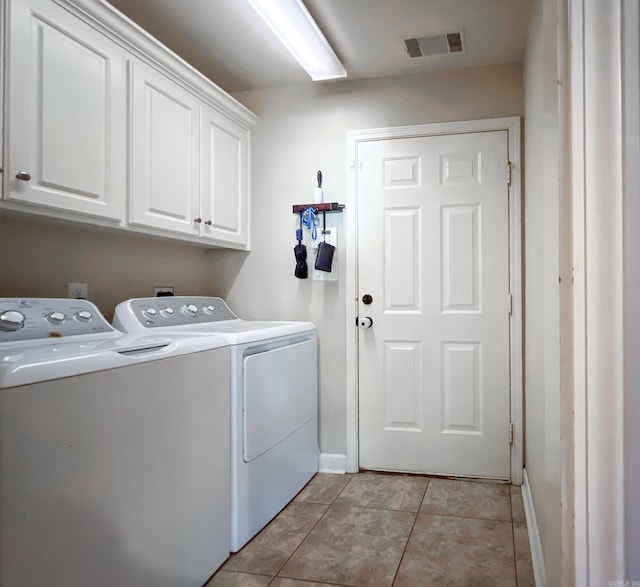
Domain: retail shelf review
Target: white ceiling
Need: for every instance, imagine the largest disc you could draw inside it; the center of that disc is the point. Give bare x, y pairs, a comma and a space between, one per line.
229, 43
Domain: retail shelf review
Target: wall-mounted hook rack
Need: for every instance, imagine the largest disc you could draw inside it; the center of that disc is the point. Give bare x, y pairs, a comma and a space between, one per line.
319, 207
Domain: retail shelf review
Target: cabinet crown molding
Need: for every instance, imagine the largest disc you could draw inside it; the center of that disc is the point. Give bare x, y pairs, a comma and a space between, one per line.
136, 40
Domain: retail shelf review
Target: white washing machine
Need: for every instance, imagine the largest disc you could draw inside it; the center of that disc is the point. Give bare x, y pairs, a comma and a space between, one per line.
113, 451
274, 399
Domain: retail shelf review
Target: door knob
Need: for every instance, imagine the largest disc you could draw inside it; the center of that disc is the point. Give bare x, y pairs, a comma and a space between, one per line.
23, 176
365, 322
367, 299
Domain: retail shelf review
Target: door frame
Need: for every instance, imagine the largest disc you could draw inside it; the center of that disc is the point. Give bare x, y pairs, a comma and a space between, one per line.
354, 138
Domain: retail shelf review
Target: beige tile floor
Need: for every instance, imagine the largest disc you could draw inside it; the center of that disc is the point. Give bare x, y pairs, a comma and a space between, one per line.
375, 530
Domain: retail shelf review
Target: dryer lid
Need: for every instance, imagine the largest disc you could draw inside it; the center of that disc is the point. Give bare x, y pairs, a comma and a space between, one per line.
199, 315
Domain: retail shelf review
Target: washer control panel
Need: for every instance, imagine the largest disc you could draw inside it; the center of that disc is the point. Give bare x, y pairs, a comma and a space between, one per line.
36, 318
171, 311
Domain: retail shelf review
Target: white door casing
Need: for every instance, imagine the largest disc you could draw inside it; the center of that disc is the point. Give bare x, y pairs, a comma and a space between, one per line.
446, 357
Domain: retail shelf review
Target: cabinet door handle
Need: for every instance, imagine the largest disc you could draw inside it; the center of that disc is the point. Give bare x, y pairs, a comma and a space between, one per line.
23, 176
208, 222
197, 220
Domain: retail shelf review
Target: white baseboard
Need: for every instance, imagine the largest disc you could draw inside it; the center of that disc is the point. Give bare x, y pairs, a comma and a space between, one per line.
333, 463
537, 557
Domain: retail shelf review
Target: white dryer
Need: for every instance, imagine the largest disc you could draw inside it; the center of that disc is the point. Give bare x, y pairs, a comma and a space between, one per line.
113, 451
274, 399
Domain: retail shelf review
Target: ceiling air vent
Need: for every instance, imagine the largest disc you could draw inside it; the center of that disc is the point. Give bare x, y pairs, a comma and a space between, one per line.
442, 44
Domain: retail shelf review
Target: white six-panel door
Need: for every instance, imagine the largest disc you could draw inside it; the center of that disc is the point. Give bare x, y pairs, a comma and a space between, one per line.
433, 253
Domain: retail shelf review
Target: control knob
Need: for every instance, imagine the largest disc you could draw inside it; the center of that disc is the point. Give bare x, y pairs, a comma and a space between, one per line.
11, 320
83, 316
55, 317
150, 312
190, 310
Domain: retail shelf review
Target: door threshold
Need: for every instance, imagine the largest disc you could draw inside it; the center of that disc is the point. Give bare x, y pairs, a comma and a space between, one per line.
436, 476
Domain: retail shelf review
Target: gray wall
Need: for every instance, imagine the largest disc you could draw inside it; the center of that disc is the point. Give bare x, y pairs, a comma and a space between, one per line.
301, 130
542, 288
38, 259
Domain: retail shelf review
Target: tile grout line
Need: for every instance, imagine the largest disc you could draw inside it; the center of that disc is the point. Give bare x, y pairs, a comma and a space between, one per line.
307, 535
515, 562
511, 503
379, 508
404, 550
513, 538
305, 581
284, 564
467, 517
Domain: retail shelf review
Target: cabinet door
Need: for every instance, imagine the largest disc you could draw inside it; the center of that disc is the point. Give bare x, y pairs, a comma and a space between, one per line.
164, 153
66, 113
224, 179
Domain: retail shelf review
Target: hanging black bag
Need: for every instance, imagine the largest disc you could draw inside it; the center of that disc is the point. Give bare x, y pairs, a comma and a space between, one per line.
324, 256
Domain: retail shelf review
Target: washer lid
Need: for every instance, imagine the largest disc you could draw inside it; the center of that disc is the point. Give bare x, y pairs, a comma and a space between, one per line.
23, 364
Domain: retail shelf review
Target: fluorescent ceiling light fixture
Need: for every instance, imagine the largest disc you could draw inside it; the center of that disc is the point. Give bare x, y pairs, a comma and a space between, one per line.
298, 32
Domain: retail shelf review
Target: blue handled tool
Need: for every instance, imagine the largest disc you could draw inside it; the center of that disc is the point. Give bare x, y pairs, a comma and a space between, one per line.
310, 220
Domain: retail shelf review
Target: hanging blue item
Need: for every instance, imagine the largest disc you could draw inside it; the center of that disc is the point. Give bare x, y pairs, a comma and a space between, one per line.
310, 220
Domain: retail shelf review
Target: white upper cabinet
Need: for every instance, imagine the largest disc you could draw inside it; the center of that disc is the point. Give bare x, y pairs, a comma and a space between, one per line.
165, 126
224, 178
66, 144
105, 125
189, 163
